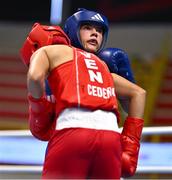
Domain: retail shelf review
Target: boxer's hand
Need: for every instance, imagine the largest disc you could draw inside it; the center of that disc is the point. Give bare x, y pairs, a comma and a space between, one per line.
118, 62
41, 117
130, 140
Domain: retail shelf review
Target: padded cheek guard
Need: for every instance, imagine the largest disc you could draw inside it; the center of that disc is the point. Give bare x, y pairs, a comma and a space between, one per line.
40, 36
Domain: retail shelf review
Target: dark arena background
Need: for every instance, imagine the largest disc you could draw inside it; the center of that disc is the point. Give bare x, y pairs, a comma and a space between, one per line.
142, 28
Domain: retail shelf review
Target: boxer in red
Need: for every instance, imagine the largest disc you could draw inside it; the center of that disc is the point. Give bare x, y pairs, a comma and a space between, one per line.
86, 142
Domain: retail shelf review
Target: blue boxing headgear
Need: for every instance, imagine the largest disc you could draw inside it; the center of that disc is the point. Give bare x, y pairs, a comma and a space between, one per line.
82, 16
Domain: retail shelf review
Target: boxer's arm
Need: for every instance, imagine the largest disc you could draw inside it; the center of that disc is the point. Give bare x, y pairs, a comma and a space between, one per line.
37, 73
133, 125
41, 111
136, 94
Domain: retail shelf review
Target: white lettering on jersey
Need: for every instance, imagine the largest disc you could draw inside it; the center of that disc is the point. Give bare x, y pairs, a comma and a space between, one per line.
95, 76
105, 93
91, 64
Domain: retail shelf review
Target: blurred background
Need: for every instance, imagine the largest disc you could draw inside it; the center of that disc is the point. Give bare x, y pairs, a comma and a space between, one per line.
142, 28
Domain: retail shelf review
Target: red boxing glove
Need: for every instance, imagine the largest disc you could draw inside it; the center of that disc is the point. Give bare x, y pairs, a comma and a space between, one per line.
130, 140
41, 117
40, 36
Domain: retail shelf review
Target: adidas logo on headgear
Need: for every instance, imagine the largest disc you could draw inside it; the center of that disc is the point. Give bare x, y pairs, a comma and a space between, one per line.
98, 17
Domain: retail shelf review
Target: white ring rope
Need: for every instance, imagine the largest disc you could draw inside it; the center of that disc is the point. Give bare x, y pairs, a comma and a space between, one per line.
146, 131
163, 130
38, 169
20, 169
157, 130
154, 169
15, 133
